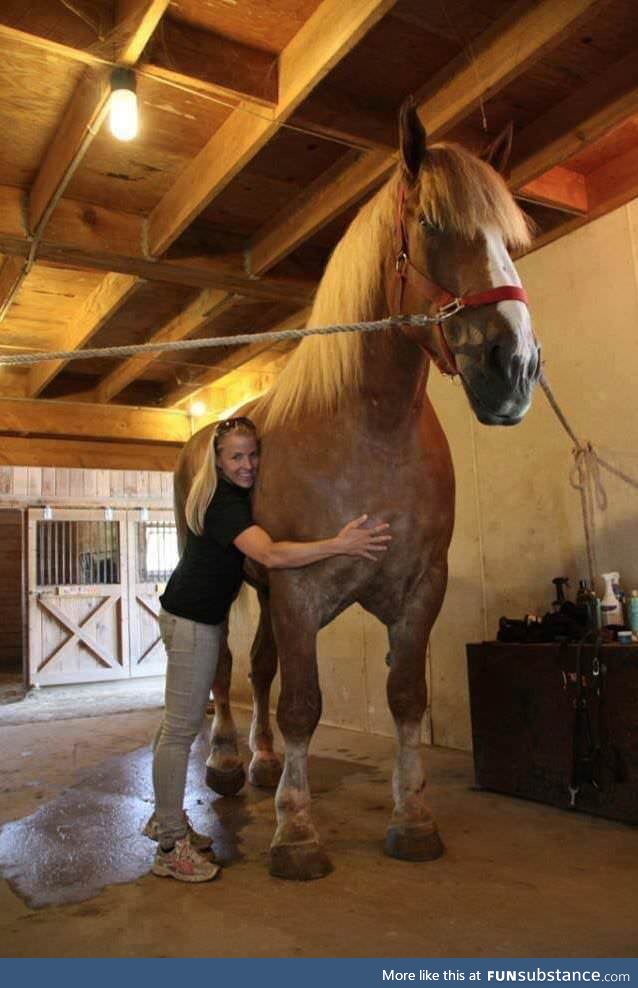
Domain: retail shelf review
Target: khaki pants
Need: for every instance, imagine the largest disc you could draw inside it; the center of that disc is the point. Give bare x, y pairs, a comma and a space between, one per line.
192, 650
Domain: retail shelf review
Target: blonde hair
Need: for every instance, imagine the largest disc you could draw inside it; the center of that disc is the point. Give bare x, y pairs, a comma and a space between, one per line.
204, 483
457, 191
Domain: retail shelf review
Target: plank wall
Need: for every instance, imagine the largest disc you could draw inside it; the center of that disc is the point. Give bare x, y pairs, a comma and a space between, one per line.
36, 486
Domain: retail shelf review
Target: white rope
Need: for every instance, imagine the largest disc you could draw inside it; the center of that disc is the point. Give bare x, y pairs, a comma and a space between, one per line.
585, 478
275, 336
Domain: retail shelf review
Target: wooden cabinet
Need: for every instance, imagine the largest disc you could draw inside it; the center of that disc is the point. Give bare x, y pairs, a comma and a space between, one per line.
546, 730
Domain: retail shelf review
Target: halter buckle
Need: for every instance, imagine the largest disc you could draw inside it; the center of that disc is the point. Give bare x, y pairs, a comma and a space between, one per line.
400, 263
450, 309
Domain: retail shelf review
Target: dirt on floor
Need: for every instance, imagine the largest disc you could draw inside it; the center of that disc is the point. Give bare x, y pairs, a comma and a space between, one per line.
518, 879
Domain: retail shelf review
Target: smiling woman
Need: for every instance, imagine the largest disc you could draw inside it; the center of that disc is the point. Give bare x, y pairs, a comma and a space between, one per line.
195, 606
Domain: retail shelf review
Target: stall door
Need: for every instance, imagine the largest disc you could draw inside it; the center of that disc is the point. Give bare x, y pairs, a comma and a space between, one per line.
77, 597
153, 556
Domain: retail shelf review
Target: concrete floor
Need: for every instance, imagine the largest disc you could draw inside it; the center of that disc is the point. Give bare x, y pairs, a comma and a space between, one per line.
518, 879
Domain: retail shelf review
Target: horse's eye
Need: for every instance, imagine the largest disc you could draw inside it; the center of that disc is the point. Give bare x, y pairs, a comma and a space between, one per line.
427, 224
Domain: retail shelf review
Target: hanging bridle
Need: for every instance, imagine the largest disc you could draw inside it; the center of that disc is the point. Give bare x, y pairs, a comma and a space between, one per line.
448, 304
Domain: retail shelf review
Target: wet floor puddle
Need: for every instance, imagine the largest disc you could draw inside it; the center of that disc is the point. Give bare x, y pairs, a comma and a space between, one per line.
89, 836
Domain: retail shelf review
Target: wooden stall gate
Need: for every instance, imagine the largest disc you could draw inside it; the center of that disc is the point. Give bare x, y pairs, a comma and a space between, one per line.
93, 589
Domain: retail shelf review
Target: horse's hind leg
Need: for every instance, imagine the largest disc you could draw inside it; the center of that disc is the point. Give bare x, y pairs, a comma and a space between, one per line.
265, 767
224, 770
412, 834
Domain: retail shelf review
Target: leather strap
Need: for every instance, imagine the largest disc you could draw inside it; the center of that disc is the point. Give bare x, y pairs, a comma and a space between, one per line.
407, 273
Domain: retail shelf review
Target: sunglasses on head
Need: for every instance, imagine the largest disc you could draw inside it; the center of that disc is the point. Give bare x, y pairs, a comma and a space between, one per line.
227, 424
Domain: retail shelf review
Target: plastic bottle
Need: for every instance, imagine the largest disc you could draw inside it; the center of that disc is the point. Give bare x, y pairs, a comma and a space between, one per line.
611, 607
632, 611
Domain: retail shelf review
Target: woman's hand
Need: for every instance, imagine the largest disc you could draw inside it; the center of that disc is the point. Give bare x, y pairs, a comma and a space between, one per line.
356, 540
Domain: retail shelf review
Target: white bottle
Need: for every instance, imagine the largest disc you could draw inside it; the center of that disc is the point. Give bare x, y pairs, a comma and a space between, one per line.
610, 606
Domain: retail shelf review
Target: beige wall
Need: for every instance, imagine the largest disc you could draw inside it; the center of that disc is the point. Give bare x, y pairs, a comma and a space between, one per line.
518, 518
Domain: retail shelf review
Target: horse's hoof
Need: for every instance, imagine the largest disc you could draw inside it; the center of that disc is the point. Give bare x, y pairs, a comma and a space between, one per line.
413, 843
225, 783
299, 862
264, 772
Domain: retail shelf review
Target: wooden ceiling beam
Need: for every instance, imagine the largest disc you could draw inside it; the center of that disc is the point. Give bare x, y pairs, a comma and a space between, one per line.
201, 61
330, 33
333, 192
503, 52
582, 118
210, 304
609, 186
84, 235
37, 417
211, 375
560, 188
81, 122
88, 454
99, 307
192, 57
506, 50
135, 22
10, 276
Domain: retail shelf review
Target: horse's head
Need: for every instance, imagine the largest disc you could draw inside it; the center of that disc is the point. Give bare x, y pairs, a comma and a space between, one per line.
456, 220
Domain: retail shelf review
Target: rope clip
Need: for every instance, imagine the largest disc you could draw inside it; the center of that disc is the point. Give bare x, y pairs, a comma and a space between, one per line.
450, 309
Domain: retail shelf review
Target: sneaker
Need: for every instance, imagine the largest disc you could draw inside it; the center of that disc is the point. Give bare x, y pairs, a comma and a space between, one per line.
199, 841
184, 863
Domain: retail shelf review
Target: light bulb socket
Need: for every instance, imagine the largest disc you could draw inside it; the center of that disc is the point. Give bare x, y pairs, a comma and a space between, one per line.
123, 79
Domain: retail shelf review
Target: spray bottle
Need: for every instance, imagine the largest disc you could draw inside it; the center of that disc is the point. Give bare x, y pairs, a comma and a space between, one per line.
611, 607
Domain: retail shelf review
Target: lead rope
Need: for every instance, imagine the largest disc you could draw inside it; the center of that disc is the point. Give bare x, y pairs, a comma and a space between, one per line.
585, 477
274, 336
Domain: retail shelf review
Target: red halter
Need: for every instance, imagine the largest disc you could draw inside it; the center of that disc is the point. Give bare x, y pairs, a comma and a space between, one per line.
448, 304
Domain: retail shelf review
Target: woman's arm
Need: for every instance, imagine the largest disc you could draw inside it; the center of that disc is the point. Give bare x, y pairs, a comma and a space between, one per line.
352, 540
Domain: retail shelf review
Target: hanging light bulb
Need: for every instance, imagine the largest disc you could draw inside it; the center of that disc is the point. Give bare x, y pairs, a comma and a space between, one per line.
123, 115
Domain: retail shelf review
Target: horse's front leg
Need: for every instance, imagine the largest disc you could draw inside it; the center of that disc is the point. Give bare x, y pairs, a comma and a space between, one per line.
296, 852
224, 770
412, 834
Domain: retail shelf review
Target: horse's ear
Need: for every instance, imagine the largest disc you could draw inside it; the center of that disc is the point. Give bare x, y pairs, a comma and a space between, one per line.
497, 153
412, 139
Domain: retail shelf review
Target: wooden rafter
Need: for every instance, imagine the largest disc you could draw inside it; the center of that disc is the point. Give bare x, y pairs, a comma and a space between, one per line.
521, 36
504, 51
36, 417
186, 392
560, 188
208, 62
135, 23
329, 34
88, 454
583, 117
10, 277
86, 235
111, 293
609, 186
206, 307
81, 122
330, 195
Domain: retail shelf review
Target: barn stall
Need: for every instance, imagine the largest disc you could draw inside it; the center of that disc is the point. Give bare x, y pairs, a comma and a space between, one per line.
262, 130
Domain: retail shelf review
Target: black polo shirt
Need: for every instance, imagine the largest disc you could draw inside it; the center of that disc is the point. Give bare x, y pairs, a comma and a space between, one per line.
210, 571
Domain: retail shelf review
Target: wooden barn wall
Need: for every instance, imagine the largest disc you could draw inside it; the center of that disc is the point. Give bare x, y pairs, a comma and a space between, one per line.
11, 624
37, 486
518, 517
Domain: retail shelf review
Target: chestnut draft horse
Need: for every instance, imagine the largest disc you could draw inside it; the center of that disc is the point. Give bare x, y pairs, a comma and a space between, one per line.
347, 428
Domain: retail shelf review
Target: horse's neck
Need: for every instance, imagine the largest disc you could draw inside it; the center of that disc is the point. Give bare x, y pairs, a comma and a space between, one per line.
394, 375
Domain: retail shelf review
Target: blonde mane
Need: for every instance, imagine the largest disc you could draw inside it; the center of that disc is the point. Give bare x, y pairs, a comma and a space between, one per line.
457, 192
